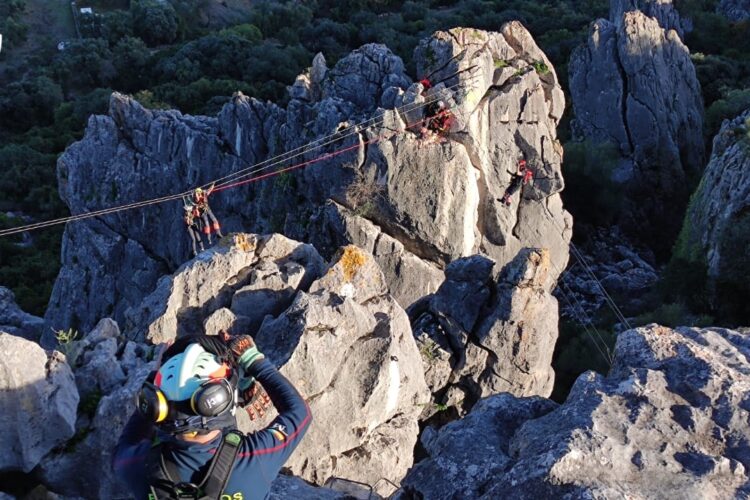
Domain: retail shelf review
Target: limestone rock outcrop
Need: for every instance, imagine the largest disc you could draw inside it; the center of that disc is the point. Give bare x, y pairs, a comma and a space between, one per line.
348, 347
38, 401
15, 321
416, 205
643, 76
109, 372
334, 331
663, 11
670, 420
480, 335
250, 276
716, 230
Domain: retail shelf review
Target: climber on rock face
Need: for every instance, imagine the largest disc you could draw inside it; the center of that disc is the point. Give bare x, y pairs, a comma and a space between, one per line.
183, 442
192, 222
523, 175
200, 198
438, 121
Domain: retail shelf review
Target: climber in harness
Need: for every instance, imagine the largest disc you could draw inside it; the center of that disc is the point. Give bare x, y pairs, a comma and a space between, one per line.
523, 176
438, 121
192, 222
200, 198
183, 442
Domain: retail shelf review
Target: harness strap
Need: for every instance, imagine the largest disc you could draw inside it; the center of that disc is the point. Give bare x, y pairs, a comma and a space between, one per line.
221, 466
165, 479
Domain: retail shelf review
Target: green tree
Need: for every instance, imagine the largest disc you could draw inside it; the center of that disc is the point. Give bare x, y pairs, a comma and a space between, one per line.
130, 57
85, 64
153, 21
29, 102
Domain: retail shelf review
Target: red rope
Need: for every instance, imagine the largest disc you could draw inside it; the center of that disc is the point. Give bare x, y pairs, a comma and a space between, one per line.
327, 156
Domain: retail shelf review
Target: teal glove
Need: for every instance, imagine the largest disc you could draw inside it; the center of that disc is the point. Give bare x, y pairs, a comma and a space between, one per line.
245, 351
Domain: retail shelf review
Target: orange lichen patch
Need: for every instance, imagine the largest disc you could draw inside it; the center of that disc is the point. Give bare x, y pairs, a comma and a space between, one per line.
351, 261
242, 242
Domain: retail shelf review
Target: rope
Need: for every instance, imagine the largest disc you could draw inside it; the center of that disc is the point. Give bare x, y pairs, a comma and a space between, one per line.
337, 137
579, 258
330, 139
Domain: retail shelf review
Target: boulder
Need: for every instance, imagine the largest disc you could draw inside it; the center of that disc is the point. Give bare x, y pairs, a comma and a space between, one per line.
347, 346
656, 129
671, 419
15, 321
416, 205
110, 371
285, 487
251, 275
481, 335
39, 401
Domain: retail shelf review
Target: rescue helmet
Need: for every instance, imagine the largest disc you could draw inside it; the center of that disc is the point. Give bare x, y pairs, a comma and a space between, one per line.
191, 390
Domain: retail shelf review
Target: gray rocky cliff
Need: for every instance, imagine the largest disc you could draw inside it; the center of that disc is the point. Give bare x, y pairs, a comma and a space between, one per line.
670, 420
716, 230
664, 11
479, 335
416, 206
38, 401
643, 76
15, 321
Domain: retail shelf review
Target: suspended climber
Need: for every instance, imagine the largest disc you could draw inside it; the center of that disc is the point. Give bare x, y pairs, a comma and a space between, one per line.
523, 176
200, 198
438, 122
183, 442
193, 224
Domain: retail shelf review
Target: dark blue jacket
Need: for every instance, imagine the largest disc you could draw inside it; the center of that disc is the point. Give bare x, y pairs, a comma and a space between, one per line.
260, 457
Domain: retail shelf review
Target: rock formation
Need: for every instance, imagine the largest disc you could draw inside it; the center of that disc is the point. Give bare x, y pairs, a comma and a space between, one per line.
334, 331
716, 231
657, 127
670, 419
479, 336
734, 10
15, 321
663, 11
109, 371
38, 400
416, 206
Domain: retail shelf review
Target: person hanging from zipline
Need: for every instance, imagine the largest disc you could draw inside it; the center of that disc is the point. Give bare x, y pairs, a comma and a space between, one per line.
438, 121
200, 198
193, 223
523, 175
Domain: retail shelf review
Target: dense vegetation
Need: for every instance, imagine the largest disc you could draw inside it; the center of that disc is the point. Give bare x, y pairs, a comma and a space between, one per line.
167, 56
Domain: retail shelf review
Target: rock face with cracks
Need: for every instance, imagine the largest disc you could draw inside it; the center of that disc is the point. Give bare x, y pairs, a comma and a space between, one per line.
15, 321
38, 403
480, 335
348, 347
337, 334
250, 276
110, 371
671, 419
717, 224
415, 204
643, 76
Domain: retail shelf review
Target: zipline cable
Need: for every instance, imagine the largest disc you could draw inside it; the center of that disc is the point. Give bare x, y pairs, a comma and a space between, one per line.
332, 138
111, 210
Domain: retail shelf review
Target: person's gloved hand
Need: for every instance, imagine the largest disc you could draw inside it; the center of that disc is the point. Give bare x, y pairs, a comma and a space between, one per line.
244, 351
255, 399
